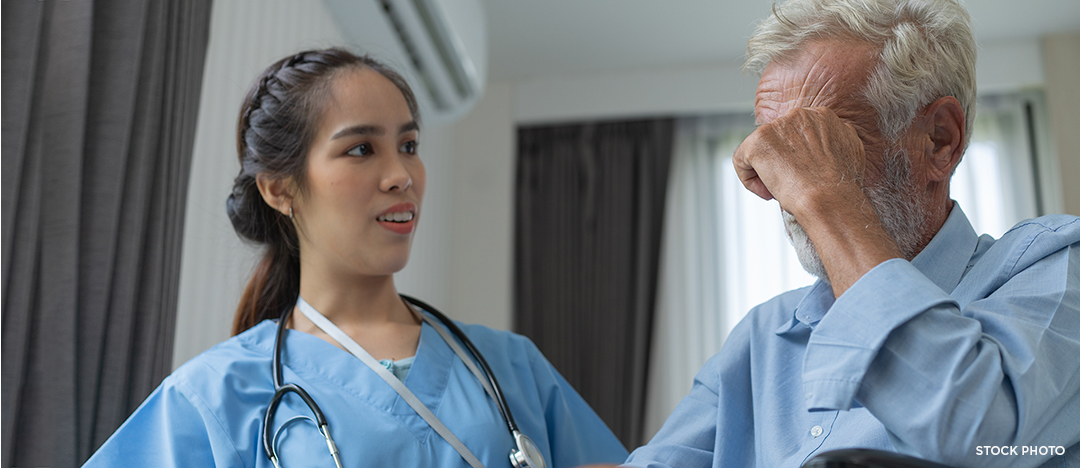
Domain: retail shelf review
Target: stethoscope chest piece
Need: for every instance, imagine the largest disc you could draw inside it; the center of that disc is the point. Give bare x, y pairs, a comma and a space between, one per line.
527, 454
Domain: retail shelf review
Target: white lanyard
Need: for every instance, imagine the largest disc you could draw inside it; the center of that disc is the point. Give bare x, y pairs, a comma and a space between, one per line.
355, 349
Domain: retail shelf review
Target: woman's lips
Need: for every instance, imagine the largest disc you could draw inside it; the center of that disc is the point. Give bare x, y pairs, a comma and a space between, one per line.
400, 218
399, 227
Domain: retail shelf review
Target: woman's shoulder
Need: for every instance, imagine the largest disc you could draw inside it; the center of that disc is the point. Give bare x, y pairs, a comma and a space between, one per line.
244, 357
510, 353
202, 410
497, 340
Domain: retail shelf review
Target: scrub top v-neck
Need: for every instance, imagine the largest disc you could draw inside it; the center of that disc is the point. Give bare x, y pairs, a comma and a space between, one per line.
432, 373
381, 370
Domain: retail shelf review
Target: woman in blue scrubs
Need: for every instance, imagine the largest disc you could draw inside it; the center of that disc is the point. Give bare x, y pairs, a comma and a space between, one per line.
332, 184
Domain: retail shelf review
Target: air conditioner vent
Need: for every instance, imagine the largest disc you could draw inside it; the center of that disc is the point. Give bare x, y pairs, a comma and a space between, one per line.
442, 43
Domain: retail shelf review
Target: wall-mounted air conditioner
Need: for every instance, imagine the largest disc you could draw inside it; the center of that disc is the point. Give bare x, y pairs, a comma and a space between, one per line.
439, 45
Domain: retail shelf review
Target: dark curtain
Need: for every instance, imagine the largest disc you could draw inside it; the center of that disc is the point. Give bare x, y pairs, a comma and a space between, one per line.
100, 100
589, 213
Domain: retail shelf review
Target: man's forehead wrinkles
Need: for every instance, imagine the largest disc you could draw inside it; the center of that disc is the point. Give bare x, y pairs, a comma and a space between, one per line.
822, 76
773, 103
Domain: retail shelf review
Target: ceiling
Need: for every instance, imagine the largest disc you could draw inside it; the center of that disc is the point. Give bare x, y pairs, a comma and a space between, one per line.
534, 39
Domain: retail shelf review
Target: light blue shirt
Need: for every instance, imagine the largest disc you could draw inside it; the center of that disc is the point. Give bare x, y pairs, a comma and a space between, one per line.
210, 411
974, 343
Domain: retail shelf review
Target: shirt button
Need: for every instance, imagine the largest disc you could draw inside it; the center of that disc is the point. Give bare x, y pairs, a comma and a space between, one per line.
816, 431
809, 396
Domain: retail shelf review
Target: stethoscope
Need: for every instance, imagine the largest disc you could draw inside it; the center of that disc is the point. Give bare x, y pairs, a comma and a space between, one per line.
525, 455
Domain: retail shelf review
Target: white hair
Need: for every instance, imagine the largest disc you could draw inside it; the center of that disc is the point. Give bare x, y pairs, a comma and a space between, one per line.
927, 50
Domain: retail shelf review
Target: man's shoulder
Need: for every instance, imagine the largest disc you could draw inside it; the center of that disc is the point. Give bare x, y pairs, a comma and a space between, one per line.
1036, 241
1067, 225
1033, 239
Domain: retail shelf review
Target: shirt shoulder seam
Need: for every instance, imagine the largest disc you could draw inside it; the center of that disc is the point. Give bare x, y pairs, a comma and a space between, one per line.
188, 392
1030, 240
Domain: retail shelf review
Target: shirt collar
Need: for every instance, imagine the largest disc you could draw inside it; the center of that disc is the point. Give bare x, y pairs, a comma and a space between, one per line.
811, 308
946, 257
944, 261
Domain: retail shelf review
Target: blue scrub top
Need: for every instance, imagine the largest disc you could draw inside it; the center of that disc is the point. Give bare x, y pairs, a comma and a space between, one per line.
210, 411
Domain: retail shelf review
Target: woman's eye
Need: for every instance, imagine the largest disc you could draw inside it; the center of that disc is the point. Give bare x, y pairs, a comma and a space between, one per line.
363, 149
409, 147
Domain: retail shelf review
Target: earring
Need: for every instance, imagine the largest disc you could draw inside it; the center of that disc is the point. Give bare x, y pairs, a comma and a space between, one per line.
290, 213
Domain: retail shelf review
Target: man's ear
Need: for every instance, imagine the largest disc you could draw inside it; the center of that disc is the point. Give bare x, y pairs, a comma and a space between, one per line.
276, 192
947, 130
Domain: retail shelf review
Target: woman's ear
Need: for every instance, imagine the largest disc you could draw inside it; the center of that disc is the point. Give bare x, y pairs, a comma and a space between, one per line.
947, 131
276, 192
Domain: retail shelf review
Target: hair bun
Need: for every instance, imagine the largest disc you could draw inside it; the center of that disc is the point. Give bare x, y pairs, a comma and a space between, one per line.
249, 214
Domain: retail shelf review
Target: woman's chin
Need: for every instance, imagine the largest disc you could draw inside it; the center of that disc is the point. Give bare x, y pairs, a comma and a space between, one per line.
371, 267
394, 265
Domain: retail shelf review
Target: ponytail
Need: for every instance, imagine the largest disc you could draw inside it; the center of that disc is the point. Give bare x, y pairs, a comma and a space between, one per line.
272, 289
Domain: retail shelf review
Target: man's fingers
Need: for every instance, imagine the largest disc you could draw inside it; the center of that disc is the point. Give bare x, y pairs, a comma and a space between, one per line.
753, 183
758, 188
745, 170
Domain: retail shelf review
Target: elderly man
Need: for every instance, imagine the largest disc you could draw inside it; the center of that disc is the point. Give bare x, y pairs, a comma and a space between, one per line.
920, 337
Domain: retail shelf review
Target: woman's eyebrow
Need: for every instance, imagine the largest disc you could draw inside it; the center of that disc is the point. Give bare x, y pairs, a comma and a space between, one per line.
366, 130
358, 130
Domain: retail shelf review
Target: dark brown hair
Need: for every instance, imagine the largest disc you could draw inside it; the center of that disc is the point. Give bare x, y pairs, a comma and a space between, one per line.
277, 123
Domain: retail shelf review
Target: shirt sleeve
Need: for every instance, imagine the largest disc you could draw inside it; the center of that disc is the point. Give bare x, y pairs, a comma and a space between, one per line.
168, 430
945, 379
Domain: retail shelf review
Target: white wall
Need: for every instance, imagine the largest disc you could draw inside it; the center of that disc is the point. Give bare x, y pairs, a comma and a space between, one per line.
1009, 65
716, 88
481, 281
1061, 54
708, 88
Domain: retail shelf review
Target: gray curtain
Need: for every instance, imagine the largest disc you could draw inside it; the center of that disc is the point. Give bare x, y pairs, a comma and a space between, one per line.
589, 213
100, 100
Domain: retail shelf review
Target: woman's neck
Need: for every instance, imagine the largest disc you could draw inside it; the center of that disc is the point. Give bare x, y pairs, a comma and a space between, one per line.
367, 309
362, 300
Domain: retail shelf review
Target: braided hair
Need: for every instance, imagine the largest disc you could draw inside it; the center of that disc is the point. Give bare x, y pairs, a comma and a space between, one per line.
276, 126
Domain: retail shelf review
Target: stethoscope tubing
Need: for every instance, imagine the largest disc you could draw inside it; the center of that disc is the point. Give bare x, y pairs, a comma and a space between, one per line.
500, 400
280, 390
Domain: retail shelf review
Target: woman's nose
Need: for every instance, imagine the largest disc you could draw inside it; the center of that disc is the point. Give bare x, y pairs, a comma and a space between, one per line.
395, 176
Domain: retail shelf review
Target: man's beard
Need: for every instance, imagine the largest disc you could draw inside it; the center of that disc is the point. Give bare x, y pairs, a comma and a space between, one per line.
897, 202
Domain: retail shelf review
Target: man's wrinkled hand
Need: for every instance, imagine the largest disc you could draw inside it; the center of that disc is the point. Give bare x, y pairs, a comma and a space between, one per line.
804, 157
